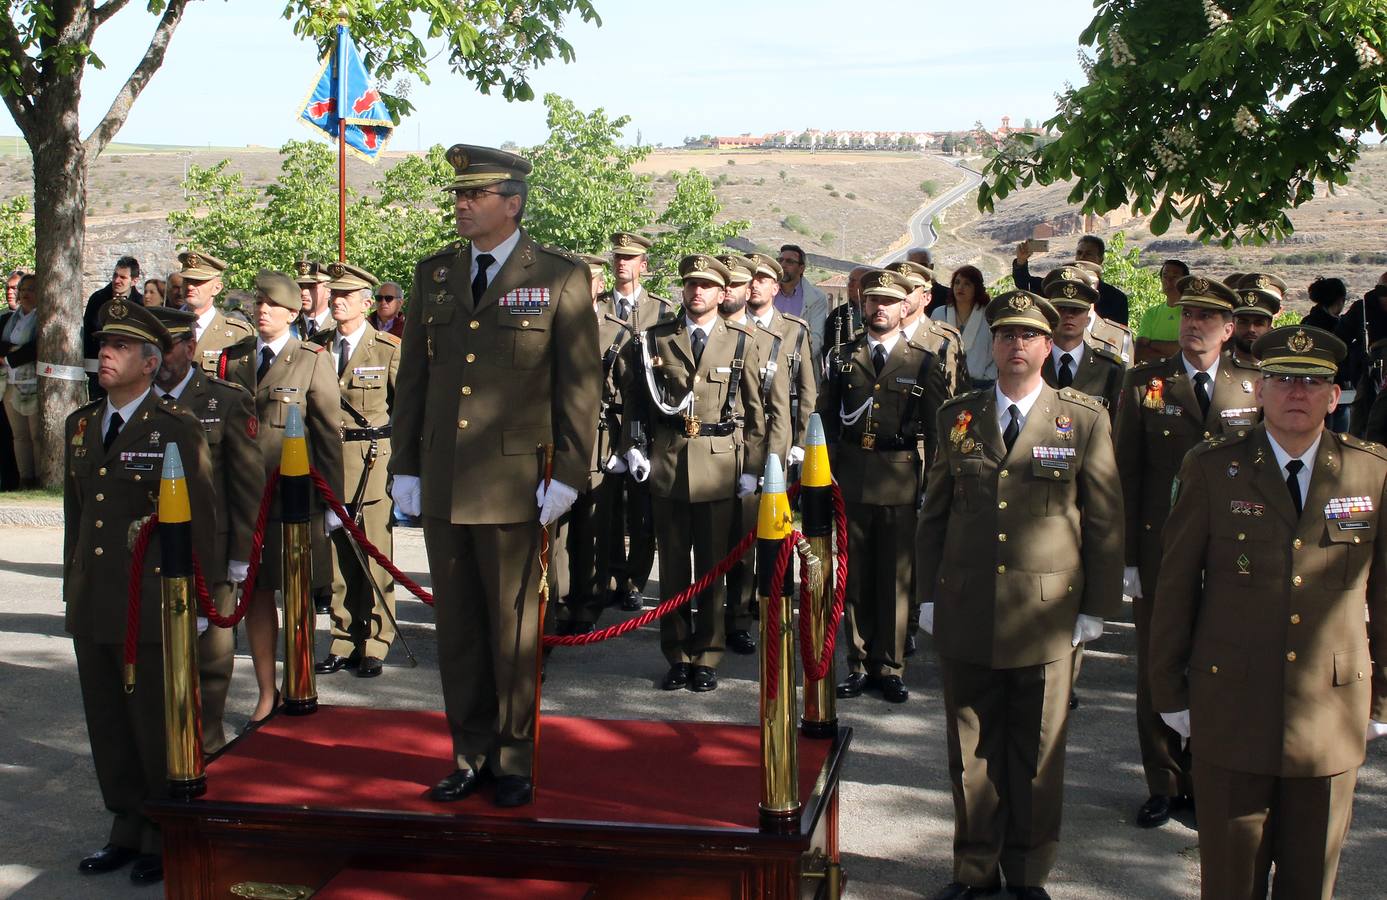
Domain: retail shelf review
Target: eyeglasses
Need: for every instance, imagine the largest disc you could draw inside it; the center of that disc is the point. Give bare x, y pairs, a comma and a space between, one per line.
389, 298
790, 261
472, 195
1305, 381
1024, 337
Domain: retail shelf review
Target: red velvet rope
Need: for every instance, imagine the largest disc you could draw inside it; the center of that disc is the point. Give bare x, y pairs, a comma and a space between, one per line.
816, 666
257, 545
132, 609
772, 615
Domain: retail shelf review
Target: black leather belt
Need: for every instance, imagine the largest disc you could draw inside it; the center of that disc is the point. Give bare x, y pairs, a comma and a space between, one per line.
879, 443
703, 429
366, 434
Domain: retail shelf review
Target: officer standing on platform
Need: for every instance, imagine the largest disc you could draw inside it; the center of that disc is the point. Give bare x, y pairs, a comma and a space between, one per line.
1166, 408
214, 331
366, 361
1259, 651
694, 379
281, 372
114, 457
1258, 304
500, 360
878, 408
229, 424
1077, 359
1020, 553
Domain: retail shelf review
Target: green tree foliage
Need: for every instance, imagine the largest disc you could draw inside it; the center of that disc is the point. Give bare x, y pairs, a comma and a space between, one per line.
16, 235
1223, 114
690, 225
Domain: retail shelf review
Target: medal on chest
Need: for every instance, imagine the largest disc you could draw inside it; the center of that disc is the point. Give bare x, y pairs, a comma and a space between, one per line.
1155, 394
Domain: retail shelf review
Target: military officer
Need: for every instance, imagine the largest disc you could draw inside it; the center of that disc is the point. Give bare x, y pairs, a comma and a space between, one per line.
367, 361
1020, 551
878, 410
112, 465
1259, 651
500, 359
1166, 408
1078, 359
315, 312
793, 358
1110, 332
775, 402
694, 379
229, 425
1259, 302
845, 319
214, 331
921, 280
282, 371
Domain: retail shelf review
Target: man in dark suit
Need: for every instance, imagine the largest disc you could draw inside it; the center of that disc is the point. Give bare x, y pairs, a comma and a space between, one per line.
1112, 301
121, 286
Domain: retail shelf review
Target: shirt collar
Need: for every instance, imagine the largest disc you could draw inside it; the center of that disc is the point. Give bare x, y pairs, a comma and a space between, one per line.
276, 346
127, 412
1190, 370
204, 321
182, 386
1077, 354
353, 340
764, 321
706, 329
889, 342
501, 252
1308, 457
1024, 403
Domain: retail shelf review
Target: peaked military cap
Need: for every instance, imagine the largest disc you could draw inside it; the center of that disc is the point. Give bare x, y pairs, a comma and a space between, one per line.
1022, 308
1205, 293
277, 288
886, 285
766, 265
1069, 286
919, 276
740, 270
308, 272
347, 277
179, 322
627, 243
1233, 279
702, 267
478, 167
593, 260
121, 319
1092, 269
200, 266
1299, 350
1265, 283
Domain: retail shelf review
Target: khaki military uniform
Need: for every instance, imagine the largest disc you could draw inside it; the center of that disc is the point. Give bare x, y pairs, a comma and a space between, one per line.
222, 332
367, 384
1258, 631
229, 425
1015, 546
1158, 421
880, 430
1114, 336
106, 495
482, 386
696, 457
1099, 374
301, 375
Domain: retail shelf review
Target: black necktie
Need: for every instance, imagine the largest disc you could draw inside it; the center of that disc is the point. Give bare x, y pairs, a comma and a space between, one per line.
484, 261
698, 340
309, 326
112, 430
1066, 372
1293, 484
1201, 392
623, 308
879, 357
1013, 427
267, 356
344, 352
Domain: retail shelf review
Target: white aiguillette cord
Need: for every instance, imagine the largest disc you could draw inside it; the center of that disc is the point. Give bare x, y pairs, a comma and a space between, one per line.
686, 403
850, 418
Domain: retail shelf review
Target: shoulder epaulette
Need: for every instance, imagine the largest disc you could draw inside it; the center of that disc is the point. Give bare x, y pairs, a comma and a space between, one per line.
387, 338
663, 301
663, 326
1242, 364
321, 337
1215, 441
239, 323
450, 250
309, 345
966, 397
940, 327
1104, 349
89, 406
1357, 443
1080, 398
222, 382
741, 326
245, 344
803, 323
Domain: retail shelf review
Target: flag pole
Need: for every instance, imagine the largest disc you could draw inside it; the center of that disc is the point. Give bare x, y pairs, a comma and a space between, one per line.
341, 136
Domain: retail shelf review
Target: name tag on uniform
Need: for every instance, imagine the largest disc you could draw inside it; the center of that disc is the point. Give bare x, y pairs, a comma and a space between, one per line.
723, 370
140, 461
1345, 507
900, 379
211, 354
208, 423
1242, 416
286, 390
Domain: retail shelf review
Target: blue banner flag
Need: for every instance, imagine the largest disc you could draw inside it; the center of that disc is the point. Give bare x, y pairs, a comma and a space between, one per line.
344, 98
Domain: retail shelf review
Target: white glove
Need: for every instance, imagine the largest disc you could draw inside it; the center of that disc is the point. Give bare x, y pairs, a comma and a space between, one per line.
1131, 581
927, 618
1086, 628
330, 522
237, 570
1178, 722
615, 465
795, 456
1376, 729
555, 501
746, 485
405, 492
202, 624
638, 465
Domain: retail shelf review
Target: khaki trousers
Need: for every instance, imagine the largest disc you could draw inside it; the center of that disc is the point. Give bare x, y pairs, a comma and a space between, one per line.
358, 622
881, 555
705, 529
1248, 822
486, 605
216, 656
1006, 735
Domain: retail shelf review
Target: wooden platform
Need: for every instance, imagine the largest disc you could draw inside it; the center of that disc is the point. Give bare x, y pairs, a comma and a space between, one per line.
637, 809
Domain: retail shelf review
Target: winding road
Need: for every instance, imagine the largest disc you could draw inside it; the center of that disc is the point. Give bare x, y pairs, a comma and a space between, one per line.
921, 226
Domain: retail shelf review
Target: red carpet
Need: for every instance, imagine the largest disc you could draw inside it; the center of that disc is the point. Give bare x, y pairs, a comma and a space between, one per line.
687, 774
368, 884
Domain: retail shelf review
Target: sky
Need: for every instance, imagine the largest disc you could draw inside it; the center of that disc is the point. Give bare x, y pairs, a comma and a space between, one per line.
236, 75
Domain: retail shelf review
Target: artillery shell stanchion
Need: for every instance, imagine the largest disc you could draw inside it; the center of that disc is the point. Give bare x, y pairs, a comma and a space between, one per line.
816, 506
780, 805
182, 702
295, 489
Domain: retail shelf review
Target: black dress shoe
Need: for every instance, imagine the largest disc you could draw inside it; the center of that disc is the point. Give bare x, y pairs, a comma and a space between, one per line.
514, 790
704, 679
460, 785
893, 690
1073, 700
107, 859
910, 645
1155, 812
580, 628
633, 601
957, 890
148, 869
1028, 893
677, 677
334, 663
741, 642
369, 667
854, 684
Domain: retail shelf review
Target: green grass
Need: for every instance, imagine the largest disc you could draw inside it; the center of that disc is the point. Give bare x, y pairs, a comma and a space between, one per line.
44, 496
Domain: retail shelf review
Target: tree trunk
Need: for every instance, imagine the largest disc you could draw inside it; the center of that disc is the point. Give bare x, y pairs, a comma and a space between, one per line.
60, 212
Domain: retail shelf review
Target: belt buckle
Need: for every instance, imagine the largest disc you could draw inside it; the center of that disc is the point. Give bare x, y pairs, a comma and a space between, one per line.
869, 441
692, 424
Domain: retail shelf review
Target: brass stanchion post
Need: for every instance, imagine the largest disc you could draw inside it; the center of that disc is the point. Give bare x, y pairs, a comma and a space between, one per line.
816, 506
295, 487
182, 702
780, 805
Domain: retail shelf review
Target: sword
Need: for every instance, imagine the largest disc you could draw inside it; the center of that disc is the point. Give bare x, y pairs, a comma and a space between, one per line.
357, 511
547, 450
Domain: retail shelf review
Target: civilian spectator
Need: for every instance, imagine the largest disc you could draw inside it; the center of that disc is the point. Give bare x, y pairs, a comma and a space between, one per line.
1158, 332
19, 341
964, 311
799, 298
12, 288
1328, 296
1112, 302
173, 290
122, 285
1363, 328
390, 300
154, 292
939, 292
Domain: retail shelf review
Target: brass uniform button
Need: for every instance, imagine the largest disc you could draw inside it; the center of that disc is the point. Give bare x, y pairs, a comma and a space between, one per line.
1166, 433
1057, 474
99, 551
100, 497
471, 357
466, 390
156, 570
1005, 473
1002, 505
876, 387
474, 324
1213, 670
1147, 526
1241, 536
99, 523
1001, 570
1001, 538
1297, 543
462, 423
101, 471
524, 323
1290, 657
876, 406
1206, 435
1297, 581
1295, 618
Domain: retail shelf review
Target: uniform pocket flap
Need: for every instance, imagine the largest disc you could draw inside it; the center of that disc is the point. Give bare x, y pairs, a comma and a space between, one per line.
522, 318
1351, 530
1059, 585
519, 441
1350, 666
1053, 469
1219, 661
